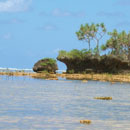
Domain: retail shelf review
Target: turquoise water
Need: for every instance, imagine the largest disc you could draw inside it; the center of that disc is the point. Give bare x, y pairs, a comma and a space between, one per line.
34, 104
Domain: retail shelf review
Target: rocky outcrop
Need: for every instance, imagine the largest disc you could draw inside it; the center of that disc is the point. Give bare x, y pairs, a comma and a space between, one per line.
85, 122
102, 64
103, 98
46, 65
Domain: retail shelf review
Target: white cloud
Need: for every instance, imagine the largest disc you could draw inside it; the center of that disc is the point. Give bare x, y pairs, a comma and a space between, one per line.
60, 13
12, 21
7, 36
16, 21
49, 27
14, 5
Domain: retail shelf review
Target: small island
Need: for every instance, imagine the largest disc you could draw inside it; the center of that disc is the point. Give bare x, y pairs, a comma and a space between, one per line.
117, 47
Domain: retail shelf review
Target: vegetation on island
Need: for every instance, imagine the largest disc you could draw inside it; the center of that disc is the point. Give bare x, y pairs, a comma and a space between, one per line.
117, 49
118, 44
49, 61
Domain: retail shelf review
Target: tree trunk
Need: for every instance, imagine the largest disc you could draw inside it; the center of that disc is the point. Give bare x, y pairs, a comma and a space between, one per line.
89, 45
129, 54
97, 47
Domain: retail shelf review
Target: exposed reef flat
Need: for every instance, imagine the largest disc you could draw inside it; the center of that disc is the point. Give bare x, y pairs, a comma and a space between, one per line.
33, 75
100, 77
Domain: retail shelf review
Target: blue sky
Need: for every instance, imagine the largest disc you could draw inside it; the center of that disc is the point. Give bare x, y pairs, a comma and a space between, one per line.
33, 29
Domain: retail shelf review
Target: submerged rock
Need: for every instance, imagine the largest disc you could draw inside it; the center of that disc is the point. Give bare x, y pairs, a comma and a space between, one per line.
46, 65
84, 81
103, 98
85, 122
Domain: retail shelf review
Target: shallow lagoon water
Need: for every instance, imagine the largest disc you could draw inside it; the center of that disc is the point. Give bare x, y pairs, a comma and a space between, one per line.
37, 104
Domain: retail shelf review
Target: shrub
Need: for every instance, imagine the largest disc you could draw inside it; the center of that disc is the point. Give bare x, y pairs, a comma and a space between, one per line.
74, 54
71, 71
49, 61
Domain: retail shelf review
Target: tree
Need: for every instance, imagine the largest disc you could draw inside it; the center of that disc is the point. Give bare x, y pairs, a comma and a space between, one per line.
92, 32
119, 44
97, 33
113, 43
128, 45
85, 34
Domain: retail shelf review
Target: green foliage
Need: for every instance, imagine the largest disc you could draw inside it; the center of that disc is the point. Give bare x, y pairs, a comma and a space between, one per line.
91, 32
118, 44
62, 53
74, 54
95, 50
71, 71
103, 47
48, 61
43, 64
45, 72
85, 34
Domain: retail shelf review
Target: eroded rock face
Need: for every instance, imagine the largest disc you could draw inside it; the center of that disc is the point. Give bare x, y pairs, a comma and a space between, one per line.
103, 64
46, 65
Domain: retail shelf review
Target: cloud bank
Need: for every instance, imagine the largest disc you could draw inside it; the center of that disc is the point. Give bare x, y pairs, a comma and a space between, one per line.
14, 5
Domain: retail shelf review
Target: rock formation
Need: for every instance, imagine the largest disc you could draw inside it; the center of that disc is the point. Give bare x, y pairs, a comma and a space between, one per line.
46, 65
101, 64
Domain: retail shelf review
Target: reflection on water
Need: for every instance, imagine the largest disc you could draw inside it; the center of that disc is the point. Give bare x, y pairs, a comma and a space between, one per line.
34, 104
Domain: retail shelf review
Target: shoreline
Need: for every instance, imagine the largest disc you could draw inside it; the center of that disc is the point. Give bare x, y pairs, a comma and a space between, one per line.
98, 77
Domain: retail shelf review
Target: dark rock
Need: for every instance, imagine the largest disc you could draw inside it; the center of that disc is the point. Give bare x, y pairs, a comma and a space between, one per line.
46, 65
103, 98
102, 64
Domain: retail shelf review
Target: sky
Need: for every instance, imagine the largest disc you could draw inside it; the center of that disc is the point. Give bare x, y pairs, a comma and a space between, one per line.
34, 29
